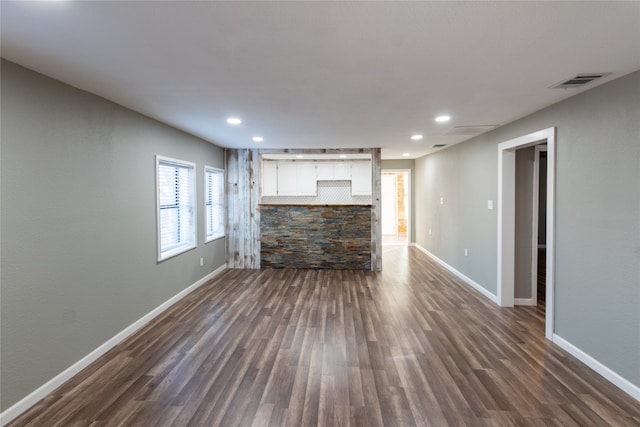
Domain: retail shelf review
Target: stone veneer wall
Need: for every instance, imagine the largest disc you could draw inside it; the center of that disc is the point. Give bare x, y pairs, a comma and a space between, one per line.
316, 236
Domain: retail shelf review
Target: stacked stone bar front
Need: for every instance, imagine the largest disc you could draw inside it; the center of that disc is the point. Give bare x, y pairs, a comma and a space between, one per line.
334, 237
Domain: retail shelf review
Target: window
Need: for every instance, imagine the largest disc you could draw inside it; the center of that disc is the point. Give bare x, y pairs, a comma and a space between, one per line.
176, 206
214, 203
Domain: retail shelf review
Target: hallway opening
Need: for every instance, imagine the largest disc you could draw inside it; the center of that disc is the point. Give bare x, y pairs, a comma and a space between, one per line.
395, 190
507, 223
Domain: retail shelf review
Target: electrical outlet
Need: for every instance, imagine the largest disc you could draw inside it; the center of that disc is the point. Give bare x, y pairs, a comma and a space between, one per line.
201, 262
442, 200
466, 252
489, 204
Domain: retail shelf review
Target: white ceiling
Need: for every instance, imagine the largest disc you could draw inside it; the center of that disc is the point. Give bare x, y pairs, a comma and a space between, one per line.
325, 74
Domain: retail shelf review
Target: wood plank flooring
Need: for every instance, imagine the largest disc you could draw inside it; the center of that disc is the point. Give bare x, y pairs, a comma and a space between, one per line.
410, 346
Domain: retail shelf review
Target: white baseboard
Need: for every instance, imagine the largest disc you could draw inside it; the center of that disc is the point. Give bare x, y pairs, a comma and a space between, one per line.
523, 301
620, 382
34, 397
466, 279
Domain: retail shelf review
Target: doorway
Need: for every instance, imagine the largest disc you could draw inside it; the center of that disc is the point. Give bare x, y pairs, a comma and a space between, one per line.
395, 202
507, 220
530, 225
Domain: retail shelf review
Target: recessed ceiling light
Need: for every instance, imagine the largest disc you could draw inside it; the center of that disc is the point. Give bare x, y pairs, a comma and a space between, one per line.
300, 156
406, 154
442, 119
416, 137
257, 139
343, 156
234, 121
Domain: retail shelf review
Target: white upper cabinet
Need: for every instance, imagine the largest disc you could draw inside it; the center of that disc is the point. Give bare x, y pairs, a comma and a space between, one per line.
294, 179
342, 171
324, 171
333, 171
287, 179
306, 179
361, 179
269, 179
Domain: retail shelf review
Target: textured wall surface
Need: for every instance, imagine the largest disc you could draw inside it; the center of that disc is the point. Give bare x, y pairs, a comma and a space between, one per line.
332, 237
597, 258
523, 221
79, 225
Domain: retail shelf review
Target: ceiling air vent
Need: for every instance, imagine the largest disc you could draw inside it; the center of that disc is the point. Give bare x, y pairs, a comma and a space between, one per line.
438, 145
579, 80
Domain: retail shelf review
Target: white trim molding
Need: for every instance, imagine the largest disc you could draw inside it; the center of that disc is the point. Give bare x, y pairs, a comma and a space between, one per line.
34, 397
506, 220
617, 380
614, 378
460, 275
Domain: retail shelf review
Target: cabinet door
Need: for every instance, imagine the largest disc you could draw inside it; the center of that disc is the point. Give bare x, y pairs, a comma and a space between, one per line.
324, 171
287, 179
361, 179
306, 179
269, 179
341, 171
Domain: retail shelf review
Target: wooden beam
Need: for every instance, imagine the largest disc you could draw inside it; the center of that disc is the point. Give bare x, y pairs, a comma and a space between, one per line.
253, 162
315, 151
232, 201
376, 211
243, 216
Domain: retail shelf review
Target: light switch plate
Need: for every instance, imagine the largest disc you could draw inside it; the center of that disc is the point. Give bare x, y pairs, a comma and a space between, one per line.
489, 204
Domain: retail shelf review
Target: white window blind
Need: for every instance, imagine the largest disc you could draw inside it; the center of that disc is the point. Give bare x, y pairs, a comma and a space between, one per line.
176, 207
214, 203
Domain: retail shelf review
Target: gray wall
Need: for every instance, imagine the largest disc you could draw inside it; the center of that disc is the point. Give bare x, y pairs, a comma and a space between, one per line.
79, 225
406, 164
597, 216
465, 177
524, 220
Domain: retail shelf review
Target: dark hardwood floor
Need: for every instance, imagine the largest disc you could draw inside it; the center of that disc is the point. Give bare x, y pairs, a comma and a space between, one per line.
409, 346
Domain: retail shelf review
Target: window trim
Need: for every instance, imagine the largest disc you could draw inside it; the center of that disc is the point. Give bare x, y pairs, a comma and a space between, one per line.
213, 237
185, 247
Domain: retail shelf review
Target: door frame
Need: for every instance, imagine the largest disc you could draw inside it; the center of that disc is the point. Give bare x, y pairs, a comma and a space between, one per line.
506, 219
407, 190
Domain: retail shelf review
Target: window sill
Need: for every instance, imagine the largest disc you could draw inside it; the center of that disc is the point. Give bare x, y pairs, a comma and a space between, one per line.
216, 237
174, 252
